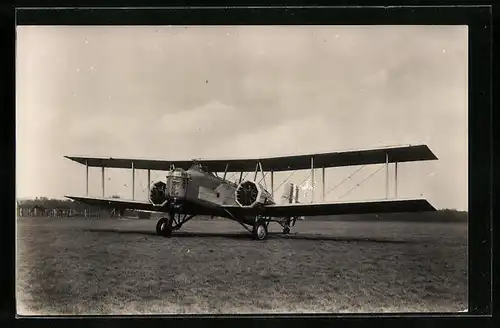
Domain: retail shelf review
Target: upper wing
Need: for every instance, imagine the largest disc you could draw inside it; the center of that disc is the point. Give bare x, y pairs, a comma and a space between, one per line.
283, 163
339, 208
116, 203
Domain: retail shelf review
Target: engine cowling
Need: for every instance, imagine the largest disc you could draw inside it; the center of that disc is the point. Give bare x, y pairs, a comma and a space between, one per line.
158, 193
249, 194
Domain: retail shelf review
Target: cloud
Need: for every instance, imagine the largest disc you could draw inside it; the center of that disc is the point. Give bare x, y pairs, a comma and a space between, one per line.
175, 92
209, 117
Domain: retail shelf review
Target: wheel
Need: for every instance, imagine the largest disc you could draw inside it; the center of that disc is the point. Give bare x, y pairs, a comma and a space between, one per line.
164, 227
260, 231
286, 230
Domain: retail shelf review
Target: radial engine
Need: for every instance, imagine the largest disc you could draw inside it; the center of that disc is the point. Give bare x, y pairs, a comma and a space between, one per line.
249, 194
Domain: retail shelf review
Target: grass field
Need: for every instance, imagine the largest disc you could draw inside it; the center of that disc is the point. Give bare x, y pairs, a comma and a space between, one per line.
78, 266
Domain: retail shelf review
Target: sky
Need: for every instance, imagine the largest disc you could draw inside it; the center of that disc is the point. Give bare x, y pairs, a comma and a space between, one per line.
183, 92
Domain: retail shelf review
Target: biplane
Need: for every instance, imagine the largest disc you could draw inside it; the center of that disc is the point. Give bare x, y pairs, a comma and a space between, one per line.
201, 187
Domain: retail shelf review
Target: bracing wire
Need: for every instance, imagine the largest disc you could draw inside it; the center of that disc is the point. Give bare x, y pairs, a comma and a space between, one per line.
144, 187
344, 180
265, 174
231, 177
304, 180
361, 182
301, 183
289, 176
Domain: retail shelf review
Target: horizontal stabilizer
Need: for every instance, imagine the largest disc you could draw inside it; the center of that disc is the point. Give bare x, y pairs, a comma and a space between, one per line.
339, 208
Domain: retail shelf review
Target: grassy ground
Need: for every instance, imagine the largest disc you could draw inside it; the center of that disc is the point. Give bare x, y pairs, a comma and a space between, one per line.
78, 266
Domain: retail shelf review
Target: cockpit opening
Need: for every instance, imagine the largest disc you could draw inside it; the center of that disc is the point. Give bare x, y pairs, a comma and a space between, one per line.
201, 168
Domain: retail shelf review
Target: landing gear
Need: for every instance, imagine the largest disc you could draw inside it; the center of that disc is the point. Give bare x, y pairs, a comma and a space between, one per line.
259, 231
286, 224
259, 225
164, 227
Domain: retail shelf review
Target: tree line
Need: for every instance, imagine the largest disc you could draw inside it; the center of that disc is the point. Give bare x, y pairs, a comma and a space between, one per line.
444, 215
77, 208
50, 203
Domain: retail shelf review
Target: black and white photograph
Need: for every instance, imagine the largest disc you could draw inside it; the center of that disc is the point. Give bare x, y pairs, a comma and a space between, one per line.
241, 169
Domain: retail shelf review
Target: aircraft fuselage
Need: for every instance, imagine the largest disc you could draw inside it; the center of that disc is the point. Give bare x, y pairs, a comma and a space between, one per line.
193, 191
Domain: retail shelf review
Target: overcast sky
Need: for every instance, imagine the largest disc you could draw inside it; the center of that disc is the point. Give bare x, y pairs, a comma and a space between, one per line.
208, 92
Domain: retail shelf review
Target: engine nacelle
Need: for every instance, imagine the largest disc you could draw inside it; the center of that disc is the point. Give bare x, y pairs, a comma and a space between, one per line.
249, 194
158, 194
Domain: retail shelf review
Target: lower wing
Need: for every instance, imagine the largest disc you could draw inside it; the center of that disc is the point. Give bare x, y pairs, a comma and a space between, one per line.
286, 210
117, 203
338, 208
188, 207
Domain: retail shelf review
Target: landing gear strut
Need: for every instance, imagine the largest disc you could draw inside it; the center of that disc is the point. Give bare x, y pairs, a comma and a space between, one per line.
286, 224
165, 226
259, 226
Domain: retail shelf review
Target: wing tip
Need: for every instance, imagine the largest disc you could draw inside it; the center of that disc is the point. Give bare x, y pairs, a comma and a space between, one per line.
432, 155
74, 159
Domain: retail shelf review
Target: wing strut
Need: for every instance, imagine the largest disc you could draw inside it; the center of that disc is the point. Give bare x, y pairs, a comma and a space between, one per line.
263, 175
263, 179
312, 179
86, 178
133, 181
149, 182
272, 184
396, 179
102, 178
323, 184
386, 175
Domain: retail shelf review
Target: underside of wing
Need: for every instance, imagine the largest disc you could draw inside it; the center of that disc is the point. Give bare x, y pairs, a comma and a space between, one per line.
283, 163
339, 208
128, 163
116, 203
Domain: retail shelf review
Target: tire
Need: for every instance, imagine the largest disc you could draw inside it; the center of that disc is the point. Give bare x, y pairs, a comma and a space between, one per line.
164, 227
260, 231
